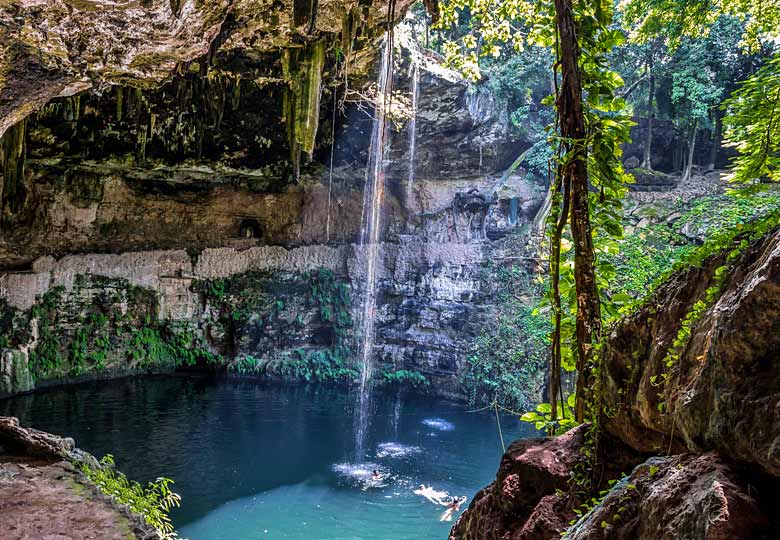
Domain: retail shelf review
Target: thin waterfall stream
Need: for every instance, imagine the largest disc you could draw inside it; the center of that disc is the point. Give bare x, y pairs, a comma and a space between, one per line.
371, 223
413, 124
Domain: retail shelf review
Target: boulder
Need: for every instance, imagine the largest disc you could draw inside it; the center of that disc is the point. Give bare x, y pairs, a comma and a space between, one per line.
522, 500
718, 412
17, 440
691, 497
724, 391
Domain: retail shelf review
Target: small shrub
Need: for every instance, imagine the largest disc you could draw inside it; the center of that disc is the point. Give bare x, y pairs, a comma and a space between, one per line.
153, 502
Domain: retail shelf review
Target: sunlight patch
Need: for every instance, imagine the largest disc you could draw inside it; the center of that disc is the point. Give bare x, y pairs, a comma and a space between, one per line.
439, 423
396, 450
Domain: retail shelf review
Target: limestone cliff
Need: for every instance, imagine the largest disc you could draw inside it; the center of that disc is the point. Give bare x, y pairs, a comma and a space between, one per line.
163, 208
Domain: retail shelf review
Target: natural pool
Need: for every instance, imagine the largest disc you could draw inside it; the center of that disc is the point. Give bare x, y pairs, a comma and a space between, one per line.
255, 461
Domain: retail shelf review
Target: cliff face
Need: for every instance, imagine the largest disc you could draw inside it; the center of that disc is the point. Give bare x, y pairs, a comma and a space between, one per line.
195, 201
710, 411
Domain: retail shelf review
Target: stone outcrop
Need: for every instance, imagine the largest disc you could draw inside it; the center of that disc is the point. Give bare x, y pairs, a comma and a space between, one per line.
711, 411
686, 496
522, 501
723, 390
44, 495
60, 48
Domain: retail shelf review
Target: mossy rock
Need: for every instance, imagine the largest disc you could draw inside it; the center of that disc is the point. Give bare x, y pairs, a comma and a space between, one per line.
647, 180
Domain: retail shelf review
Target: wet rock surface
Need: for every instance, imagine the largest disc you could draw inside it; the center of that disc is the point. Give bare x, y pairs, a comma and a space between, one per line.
522, 502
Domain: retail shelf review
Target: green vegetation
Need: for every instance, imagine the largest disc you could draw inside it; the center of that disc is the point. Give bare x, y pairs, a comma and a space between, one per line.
254, 307
314, 365
76, 338
650, 251
507, 360
403, 377
707, 66
153, 502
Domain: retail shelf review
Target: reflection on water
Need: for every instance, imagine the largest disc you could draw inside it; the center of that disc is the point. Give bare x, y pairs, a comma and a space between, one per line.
249, 458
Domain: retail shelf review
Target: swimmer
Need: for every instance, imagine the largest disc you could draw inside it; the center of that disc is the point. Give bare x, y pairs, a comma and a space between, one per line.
376, 479
436, 497
453, 507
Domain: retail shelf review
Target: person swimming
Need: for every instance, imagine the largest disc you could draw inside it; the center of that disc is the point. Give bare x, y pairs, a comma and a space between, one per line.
434, 496
375, 475
452, 507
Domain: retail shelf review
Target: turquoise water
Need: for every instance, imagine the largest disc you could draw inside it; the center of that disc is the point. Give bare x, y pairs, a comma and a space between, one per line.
254, 461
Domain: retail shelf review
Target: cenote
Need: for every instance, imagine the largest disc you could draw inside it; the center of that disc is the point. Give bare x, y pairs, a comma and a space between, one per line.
253, 460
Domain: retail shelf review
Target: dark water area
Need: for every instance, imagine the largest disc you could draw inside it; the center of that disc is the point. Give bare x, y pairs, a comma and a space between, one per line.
252, 460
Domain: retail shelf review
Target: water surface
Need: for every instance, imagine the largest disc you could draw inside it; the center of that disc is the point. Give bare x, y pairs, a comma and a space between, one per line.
255, 461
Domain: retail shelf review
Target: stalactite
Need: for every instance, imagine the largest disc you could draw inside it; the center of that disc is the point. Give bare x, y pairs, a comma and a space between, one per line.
76, 104
236, 97
119, 102
302, 70
350, 24
14, 151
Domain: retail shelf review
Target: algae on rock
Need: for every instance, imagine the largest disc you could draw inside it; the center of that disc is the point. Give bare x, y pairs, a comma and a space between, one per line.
13, 149
302, 69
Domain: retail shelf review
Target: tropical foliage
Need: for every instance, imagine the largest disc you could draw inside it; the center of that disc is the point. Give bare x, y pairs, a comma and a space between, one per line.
708, 66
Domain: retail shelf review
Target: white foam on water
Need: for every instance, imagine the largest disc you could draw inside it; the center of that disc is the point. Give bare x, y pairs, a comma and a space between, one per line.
439, 423
396, 450
356, 471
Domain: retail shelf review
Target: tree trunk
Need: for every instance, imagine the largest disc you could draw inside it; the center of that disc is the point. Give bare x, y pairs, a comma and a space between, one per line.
572, 126
716, 137
691, 148
647, 162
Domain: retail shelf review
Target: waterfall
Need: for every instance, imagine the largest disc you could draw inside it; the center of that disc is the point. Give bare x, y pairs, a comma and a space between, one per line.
371, 223
413, 123
330, 170
397, 413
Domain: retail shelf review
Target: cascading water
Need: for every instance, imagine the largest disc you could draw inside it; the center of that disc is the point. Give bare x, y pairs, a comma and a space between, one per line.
413, 123
372, 213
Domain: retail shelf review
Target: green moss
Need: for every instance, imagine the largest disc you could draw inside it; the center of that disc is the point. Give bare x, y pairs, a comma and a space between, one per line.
114, 328
85, 189
302, 69
14, 151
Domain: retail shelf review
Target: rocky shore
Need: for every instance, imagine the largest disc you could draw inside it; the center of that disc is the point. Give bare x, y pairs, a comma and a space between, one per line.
44, 495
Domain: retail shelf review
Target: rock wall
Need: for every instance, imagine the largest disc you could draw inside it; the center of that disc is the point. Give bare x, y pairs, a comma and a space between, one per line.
223, 258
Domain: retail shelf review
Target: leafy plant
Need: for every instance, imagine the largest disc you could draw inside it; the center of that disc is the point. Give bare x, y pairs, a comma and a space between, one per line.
404, 377
542, 418
153, 502
506, 362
